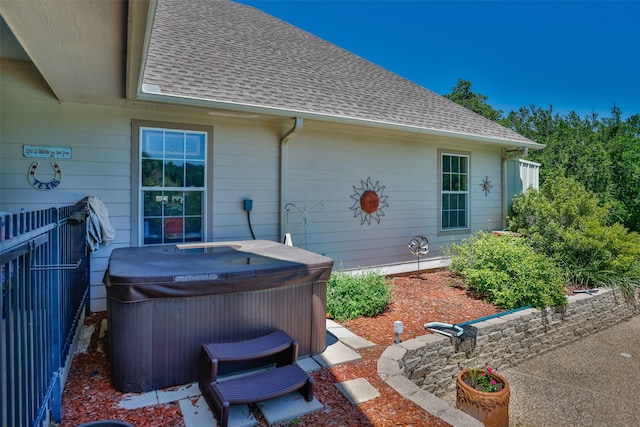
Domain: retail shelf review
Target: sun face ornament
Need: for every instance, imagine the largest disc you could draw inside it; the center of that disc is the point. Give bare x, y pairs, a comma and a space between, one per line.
369, 200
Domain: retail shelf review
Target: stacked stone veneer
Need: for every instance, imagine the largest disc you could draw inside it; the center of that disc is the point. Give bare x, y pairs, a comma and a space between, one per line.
431, 362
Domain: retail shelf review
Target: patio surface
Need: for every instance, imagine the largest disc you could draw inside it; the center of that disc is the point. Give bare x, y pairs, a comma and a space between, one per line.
592, 382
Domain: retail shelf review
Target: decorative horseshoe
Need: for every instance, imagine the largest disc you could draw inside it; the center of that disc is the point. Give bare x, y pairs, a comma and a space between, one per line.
36, 183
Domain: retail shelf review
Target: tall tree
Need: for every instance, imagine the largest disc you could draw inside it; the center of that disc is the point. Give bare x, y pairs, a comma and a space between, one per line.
622, 141
601, 154
476, 102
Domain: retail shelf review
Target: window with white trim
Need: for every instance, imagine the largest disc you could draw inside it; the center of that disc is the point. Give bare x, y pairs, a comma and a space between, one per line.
454, 191
172, 180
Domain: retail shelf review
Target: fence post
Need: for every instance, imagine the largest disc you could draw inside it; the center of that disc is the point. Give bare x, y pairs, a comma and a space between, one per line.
54, 320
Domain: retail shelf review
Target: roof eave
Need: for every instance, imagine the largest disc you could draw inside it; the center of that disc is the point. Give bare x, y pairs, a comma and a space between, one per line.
150, 95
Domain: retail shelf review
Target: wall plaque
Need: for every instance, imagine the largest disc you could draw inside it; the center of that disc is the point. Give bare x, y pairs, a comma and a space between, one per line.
40, 151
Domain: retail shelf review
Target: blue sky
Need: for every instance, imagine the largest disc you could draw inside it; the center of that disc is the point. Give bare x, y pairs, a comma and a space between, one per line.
580, 56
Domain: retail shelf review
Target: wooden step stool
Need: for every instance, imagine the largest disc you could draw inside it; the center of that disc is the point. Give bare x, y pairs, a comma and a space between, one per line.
275, 348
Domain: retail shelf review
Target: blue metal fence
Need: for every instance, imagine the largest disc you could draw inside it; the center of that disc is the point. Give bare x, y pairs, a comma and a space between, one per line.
45, 283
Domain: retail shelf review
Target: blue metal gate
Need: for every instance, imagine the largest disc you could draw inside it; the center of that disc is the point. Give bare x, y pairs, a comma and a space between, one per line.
45, 283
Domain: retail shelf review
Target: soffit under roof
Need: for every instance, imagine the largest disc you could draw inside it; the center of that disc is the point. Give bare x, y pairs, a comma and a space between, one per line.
78, 46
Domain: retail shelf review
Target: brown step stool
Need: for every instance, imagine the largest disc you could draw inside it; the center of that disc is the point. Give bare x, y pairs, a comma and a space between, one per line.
275, 348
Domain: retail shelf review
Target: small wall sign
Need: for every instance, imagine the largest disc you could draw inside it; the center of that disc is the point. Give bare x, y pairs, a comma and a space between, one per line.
46, 152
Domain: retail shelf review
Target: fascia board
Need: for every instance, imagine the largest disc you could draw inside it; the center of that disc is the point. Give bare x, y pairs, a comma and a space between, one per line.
149, 95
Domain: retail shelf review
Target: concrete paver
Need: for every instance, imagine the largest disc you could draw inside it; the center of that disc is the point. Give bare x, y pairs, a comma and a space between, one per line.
337, 354
288, 407
358, 390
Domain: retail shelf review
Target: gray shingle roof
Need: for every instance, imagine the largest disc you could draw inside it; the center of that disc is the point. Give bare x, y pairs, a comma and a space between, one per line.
226, 52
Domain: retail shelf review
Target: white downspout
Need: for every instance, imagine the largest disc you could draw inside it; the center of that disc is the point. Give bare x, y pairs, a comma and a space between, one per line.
284, 171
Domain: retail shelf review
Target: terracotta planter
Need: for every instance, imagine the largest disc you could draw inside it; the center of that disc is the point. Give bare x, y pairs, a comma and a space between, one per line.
492, 409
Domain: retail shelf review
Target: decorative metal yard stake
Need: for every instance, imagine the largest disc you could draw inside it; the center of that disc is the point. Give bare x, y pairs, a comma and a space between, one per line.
419, 246
304, 213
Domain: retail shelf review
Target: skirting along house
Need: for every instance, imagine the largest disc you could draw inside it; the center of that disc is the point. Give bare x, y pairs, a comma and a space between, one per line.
213, 121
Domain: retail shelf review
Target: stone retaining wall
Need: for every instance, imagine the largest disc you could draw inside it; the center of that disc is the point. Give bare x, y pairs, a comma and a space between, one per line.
431, 362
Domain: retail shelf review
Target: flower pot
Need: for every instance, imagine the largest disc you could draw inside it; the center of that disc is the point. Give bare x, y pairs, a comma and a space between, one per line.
490, 408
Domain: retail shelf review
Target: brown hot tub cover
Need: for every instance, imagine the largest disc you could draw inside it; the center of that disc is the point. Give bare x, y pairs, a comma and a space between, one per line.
138, 274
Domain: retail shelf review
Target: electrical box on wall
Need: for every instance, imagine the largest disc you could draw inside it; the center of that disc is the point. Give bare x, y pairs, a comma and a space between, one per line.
248, 205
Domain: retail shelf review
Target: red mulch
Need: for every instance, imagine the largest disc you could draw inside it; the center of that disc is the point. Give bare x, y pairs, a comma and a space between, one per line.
417, 299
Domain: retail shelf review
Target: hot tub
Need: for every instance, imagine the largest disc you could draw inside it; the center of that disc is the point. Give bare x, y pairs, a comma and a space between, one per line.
164, 302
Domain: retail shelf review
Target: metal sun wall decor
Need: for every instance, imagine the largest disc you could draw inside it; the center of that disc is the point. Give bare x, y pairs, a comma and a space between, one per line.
369, 200
486, 186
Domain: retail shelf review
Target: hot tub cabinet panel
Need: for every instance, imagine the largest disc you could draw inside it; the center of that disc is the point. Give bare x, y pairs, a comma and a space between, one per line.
159, 319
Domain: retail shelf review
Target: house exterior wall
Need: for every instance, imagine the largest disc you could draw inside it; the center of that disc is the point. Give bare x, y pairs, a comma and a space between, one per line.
325, 164
323, 170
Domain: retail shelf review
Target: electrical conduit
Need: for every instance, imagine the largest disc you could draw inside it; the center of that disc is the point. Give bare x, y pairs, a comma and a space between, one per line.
284, 171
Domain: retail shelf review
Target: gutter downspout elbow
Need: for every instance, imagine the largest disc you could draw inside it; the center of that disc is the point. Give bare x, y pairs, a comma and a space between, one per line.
284, 171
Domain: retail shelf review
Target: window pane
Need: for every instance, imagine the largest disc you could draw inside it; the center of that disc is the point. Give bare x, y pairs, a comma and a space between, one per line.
195, 146
173, 230
152, 231
193, 203
173, 204
446, 182
152, 203
445, 219
452, 219
151, 143
173, 173
462, 219
464, 162
463, 182
446, 163
453, 202
174, 145
462, 201
195, 174
193, 229
151, 173
455, 161
455, 183
445, 202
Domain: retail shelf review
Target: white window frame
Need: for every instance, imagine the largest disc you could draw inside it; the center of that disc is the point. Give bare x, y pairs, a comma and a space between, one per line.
137, 223
442, 192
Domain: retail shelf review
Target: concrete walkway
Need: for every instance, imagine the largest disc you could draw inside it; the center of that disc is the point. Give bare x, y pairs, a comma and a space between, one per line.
592, 382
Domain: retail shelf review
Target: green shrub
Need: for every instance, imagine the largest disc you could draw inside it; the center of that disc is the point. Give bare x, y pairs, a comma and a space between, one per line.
507, 271
353, 295
565, 222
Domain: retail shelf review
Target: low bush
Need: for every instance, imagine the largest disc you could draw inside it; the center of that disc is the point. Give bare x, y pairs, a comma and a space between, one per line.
565, 222
507, 271
353, 295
